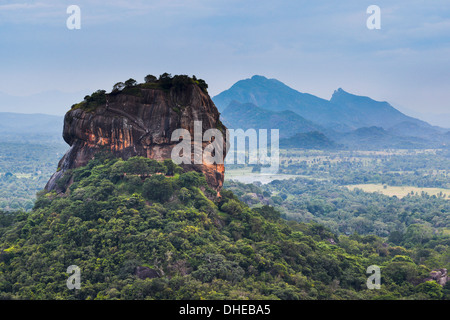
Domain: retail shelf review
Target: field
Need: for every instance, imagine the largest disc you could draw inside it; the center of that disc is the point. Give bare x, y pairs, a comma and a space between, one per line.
401, 191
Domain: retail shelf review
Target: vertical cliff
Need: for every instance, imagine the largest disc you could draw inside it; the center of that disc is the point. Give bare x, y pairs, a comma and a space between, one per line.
138, 121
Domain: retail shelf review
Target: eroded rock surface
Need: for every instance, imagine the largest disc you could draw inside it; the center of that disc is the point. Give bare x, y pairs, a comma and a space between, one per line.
139, 124
438, 275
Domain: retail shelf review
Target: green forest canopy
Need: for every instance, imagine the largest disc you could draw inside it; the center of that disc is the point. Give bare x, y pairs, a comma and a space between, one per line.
196, 245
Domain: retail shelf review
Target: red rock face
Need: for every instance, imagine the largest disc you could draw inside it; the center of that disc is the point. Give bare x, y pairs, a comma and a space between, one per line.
140, 125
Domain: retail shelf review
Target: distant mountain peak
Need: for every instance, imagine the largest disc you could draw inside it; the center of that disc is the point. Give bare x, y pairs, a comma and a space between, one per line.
342, 96
341, 92
258, 80
343, 112
258, 77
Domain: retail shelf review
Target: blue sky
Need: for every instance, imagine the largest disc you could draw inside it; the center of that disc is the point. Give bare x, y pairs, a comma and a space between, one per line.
312, 46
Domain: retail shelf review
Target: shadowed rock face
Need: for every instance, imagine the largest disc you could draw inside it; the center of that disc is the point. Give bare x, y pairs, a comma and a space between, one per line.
140, 125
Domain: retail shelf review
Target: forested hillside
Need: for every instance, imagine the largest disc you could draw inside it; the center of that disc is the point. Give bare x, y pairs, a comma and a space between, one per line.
141, 229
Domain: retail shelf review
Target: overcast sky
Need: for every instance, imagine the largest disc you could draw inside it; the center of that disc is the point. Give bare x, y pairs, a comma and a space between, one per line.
312, 46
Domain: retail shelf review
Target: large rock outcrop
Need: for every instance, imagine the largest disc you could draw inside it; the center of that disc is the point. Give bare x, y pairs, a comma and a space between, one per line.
438, 275
138, 123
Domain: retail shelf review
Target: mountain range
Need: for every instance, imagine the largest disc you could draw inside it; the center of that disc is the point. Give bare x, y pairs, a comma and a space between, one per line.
346, 119
35, 127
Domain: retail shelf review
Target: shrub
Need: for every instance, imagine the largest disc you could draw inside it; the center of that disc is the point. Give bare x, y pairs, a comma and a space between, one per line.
165, 81
217, 267
232, 207
158, 188
192, 179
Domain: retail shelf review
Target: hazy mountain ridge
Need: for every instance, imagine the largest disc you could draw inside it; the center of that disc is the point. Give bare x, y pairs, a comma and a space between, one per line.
309, 140
274, 95
339, 118
365, 112
37, 122
247, 115
379, 138
30, 127
263, 103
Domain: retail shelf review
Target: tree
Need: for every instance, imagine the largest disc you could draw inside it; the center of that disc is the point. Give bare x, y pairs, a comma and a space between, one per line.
217, 267
137, 165
192, 179
165, 75
401, 272
396, 237
165, 80
130, 83
172, 168
233, 207
431, 288
202, 84
277, 200
418, 234
268, 212
181, 81
446, 291
184, 193
150, 79
158, 188
119, 86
